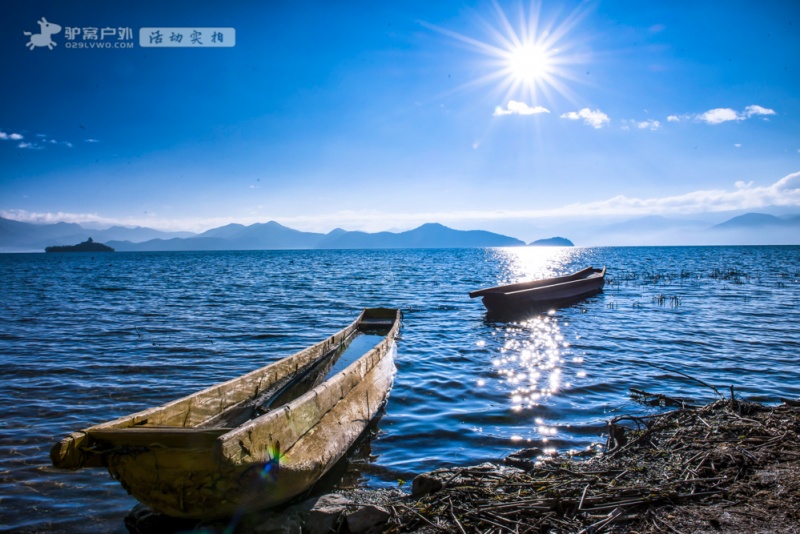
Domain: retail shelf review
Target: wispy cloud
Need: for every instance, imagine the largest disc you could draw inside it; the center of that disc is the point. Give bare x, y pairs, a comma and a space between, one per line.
519, 108
29, 145
55, 217
39, 141
594, 118
741, 196
720, 115
750, 111
649, 124
784, 192
150, 220
10, 136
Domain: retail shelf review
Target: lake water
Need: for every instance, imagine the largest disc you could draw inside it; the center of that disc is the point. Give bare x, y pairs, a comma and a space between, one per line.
87, 338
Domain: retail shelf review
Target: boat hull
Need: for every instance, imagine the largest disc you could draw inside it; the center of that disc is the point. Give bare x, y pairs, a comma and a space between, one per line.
541, 295
208, 473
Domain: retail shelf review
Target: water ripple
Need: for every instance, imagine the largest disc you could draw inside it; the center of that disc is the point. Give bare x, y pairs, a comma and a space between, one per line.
85, 339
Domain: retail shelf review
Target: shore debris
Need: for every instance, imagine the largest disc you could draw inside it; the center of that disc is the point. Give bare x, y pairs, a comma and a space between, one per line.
732, 466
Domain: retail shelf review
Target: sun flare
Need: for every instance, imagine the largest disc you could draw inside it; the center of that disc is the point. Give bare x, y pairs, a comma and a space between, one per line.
530, 63
526, 58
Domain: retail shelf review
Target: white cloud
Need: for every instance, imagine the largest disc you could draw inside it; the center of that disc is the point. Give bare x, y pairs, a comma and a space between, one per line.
738, 145
37, 143
519, 108
149, 220
91, 140
784, 192
648, 124
742, 196
719, 115
749, 111
593, 118
673, 118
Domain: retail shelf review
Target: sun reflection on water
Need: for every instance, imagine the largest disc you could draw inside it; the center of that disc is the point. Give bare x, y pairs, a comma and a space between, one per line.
520, 264
533, 360
530, 361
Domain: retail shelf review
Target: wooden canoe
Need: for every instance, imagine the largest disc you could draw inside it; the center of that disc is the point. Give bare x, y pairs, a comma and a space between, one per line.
542, 295
255, 441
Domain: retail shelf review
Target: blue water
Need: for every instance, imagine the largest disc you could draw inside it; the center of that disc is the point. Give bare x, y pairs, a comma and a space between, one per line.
87, 338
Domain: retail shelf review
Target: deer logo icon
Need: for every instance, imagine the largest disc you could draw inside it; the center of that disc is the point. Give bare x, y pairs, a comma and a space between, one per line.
43, 38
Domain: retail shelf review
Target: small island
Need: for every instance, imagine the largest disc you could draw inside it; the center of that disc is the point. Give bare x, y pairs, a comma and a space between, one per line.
86, 246
552, 242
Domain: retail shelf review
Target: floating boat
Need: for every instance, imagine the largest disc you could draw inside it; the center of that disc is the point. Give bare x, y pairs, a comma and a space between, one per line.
255, 441
542, 295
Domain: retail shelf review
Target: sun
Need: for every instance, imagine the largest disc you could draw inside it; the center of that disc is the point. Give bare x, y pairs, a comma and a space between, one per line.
530, 64
524, 56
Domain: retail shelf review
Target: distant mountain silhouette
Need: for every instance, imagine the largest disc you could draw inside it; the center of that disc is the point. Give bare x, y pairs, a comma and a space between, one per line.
430, 235
552, 242
746, 229
651, 223
17, 236
224, 232
757, 220
758, 229
650, 230
274, 236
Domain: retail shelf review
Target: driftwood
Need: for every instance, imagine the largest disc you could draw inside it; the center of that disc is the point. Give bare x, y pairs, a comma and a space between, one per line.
712, 468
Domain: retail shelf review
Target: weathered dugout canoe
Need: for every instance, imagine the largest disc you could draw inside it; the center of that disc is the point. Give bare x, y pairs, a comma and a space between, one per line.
212, 454
541, 295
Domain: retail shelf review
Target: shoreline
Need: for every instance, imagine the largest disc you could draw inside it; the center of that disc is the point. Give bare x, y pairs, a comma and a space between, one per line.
730, 466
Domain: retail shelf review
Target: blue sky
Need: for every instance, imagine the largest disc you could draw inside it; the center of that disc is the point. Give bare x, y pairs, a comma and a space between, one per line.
371, 116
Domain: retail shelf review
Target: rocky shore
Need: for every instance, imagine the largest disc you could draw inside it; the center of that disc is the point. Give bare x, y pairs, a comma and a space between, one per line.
731, 466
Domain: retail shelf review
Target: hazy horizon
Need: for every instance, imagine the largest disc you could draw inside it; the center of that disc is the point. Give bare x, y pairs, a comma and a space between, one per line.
641, 231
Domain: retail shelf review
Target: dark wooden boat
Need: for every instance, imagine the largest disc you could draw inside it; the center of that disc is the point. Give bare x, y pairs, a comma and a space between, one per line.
255, 441
542, 295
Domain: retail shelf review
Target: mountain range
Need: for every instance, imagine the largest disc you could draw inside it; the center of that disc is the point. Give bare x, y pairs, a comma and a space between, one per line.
18, 236
745, 229
749, 228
